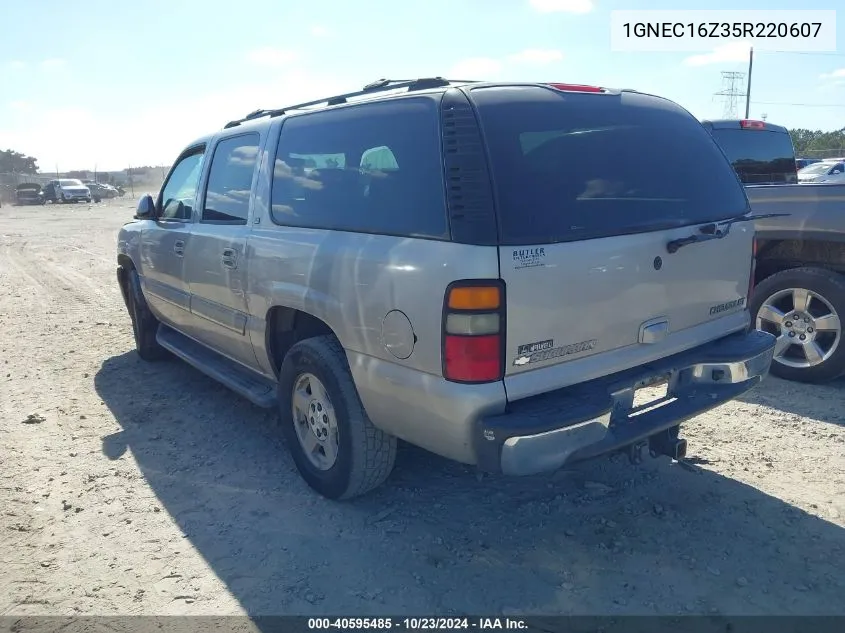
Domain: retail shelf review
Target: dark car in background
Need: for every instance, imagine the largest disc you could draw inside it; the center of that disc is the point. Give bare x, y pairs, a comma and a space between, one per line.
766, 158
28, 193
49, 192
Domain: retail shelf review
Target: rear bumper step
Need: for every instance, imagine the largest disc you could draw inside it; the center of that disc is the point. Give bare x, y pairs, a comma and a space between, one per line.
543, 433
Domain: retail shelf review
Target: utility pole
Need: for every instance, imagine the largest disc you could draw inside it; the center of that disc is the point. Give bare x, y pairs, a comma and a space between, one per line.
748, 89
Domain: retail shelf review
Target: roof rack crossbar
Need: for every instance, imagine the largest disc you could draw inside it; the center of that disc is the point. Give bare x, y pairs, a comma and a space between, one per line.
380, 85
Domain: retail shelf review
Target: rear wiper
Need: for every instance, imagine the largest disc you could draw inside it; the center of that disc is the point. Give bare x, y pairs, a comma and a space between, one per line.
716, 230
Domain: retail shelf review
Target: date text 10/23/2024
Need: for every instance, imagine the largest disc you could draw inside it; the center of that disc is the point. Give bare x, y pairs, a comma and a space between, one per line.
417, 624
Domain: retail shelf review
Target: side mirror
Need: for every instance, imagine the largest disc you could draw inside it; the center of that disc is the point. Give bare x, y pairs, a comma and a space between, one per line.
146, 208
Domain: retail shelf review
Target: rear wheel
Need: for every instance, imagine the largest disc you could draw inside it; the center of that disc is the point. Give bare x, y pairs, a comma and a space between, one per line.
803, 308
336, 448
144, 324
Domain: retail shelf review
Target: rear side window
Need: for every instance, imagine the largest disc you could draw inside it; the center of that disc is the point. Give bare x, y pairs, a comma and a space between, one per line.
370, 168
230, 180
759, 156
581, 166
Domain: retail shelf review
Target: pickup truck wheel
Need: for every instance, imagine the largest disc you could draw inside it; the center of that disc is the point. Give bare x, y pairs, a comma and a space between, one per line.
144, 324
804, 308
336, 448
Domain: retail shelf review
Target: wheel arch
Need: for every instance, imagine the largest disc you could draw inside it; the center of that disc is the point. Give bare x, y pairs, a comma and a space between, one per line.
124, 265
286, 326
776, 255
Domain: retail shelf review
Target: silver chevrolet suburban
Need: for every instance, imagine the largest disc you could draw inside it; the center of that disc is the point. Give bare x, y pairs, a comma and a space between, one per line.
495, 272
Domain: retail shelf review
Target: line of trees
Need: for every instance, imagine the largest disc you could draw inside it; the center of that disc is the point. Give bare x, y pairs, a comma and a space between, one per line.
810, 141
12, 161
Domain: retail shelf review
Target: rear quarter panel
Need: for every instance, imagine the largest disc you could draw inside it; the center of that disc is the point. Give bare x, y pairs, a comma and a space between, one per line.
351, 281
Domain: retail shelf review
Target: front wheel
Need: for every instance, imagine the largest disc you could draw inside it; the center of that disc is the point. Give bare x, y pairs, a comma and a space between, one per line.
336, 448
803, 308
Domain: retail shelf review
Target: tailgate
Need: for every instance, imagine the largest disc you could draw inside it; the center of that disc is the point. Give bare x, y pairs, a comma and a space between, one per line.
572, 300
590, 188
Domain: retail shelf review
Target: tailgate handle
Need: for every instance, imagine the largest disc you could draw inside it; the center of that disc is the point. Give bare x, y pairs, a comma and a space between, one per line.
654, 331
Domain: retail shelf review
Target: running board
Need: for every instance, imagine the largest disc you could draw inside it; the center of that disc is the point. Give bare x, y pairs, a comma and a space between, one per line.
252, 386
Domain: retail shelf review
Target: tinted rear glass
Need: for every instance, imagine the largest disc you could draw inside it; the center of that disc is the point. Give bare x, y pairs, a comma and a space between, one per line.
580, 166
370, 168
759, 156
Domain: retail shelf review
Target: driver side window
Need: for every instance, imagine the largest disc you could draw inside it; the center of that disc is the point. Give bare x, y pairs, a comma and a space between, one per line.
177, 197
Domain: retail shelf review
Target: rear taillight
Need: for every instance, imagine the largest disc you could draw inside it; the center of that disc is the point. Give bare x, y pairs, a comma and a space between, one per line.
474, 331
752, 125
576, 87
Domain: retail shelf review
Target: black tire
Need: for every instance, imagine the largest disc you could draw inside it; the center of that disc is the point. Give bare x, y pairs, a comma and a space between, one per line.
144, 324
824, 283
366, 454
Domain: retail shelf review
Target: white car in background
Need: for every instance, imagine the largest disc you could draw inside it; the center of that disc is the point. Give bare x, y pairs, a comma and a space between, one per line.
71, 190
823, 171
833, 179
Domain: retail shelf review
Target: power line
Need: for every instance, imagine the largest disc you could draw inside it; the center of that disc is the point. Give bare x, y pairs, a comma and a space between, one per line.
822, 53
804, 105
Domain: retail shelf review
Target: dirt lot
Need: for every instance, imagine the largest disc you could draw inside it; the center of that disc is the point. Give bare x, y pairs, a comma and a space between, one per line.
131, 488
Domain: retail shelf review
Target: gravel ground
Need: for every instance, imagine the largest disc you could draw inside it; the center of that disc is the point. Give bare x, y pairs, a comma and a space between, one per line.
134, 488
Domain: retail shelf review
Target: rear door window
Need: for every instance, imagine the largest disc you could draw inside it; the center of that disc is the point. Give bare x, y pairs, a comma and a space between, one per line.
759, 157
581, 166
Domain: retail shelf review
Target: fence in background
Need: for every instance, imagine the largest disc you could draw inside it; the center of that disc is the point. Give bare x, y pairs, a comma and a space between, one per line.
835, 152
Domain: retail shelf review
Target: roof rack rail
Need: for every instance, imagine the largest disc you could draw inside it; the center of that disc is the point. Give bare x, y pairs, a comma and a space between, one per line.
379, 85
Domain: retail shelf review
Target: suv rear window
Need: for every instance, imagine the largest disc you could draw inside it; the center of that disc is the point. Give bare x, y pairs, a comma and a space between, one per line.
581, 166
760, 157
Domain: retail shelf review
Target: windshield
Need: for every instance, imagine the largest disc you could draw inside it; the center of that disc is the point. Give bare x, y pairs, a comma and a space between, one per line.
70, 183
577, 166
758, 156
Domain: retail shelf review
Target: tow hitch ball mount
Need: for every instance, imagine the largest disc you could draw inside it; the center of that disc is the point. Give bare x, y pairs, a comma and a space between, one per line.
668, 443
